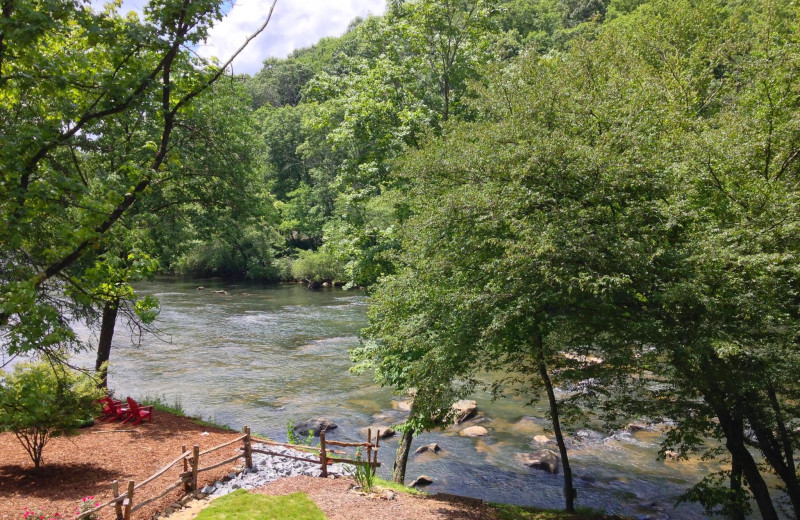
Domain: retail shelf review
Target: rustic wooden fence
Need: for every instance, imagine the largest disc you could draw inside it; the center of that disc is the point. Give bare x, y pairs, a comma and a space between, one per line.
123, 502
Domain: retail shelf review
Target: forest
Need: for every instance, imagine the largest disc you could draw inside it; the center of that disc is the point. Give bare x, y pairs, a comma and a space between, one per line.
592, 194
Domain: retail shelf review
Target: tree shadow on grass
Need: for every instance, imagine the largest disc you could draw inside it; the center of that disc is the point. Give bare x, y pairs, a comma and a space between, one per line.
56, 481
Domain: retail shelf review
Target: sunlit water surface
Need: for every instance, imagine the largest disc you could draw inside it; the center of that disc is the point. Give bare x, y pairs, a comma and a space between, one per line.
262, 355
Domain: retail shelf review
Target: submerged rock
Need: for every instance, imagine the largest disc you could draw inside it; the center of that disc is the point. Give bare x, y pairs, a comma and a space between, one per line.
422, 480
316, 425
545, 460
402, 406
433, 448
474, 431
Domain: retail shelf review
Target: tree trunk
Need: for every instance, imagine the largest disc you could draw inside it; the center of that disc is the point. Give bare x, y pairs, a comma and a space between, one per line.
104, 343
569, 491
401, 459
734, 441
736, 489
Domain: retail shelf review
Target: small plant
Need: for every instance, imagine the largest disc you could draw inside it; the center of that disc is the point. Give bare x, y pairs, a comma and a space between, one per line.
87, 504
364, 474
29, 514
292, 438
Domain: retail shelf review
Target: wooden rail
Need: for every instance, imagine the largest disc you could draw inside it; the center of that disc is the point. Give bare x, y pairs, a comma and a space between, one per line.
189, 460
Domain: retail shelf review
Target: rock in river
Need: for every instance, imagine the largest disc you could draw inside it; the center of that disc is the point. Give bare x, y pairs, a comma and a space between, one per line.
433, 448
474, 431
545, 460
464, 409
422, 480
316, 425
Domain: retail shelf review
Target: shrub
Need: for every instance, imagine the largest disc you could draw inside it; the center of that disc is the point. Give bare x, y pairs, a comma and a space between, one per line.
39, 401
316, 267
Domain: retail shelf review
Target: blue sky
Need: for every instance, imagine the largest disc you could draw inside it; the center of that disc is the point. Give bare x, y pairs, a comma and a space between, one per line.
295, 24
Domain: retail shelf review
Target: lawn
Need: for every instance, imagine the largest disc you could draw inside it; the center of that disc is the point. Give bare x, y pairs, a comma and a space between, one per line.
241, 505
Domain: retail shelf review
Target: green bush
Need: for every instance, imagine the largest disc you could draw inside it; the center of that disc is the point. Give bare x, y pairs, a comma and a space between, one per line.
316, 267
39, 401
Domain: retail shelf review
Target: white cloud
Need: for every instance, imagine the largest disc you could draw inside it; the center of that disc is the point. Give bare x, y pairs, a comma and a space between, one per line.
295, 24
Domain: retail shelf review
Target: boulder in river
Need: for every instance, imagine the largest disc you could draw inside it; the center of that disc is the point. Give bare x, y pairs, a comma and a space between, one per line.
541, 439
422, 480
316, 425
474, 431
433, 448
545, 460
464, 409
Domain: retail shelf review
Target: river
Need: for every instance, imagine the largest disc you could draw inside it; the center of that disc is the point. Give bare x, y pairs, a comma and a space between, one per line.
262, 355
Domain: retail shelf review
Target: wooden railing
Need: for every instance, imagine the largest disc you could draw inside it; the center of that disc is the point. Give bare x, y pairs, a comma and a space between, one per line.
123, 502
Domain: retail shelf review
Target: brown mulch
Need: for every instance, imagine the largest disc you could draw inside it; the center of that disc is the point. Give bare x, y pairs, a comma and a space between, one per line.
339, 502
86, 464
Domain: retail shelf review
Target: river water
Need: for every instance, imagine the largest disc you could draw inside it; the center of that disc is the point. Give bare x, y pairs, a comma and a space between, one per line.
262, 355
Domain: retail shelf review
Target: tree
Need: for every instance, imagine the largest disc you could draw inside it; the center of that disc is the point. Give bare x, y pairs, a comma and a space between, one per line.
632, 199
39, 401
82, 84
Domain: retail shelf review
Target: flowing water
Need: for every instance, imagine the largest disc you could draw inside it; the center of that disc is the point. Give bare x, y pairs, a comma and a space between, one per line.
262, 355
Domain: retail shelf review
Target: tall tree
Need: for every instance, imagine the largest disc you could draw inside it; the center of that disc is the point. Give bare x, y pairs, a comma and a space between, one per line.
75, 75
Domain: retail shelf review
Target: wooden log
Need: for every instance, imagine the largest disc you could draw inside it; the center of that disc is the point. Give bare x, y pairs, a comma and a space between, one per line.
276, 454
248, 450
119, 499
195, 465
215, 448
117, 505
218, 464
284, 445
169, 489
128, 502
162, 470
323, 457
356, 462
347, 444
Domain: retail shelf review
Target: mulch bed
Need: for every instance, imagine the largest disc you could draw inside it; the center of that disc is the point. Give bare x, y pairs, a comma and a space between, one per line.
86, 464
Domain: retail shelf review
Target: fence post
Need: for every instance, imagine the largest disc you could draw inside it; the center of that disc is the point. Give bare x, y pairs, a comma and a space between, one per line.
375, 453
129, 501
117, 504
187, 487
248, 450
323, 456
195, 465
369, 447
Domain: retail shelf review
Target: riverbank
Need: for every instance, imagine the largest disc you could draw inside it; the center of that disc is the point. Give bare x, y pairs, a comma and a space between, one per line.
85, 465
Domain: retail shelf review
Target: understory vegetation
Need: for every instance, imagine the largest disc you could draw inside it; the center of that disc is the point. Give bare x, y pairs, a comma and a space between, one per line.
590, 194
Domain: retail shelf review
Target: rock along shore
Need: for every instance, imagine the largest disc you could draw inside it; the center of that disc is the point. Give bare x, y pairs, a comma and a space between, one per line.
267, 468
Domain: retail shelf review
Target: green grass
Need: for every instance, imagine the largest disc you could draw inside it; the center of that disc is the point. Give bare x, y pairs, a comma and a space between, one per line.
388, 484
241, 505
161, 404
509, 512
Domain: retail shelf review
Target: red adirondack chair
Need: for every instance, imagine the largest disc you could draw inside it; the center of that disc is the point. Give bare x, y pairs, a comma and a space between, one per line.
138, 413
108, 407
116, 411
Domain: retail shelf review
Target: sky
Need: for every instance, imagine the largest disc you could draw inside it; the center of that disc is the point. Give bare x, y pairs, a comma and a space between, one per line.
295, 24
